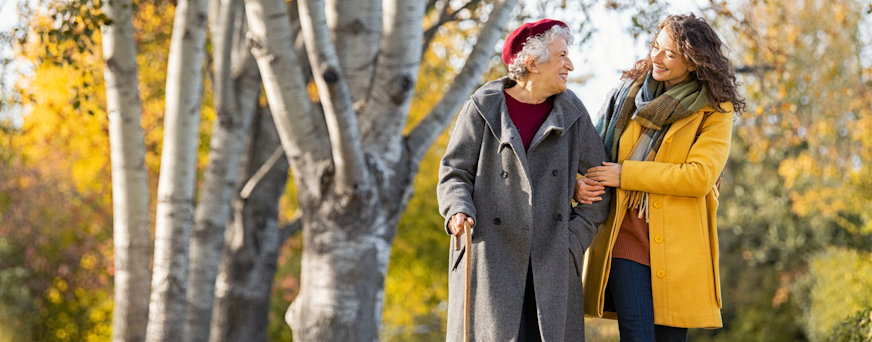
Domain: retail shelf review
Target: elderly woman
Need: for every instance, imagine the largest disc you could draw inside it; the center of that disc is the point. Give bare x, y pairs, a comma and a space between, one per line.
666, 127
509, 170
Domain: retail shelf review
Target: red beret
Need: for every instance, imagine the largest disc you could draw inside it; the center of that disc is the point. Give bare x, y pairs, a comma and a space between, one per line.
515, 41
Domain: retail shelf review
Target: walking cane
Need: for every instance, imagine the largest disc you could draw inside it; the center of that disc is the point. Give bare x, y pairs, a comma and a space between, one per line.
467, 296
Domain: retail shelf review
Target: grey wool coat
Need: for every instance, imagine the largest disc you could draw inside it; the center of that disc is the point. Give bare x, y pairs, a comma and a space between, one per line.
521, 203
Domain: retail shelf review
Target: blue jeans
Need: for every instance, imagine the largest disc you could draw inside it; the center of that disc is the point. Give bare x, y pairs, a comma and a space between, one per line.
630, 288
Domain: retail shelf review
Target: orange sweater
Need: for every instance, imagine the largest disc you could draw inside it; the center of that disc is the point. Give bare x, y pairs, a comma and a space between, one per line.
632, 242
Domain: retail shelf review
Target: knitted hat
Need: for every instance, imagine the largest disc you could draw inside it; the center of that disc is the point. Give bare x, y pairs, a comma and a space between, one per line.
515, 41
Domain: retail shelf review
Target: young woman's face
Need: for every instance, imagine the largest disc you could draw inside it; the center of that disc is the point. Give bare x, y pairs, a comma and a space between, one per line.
552, 75
670, 67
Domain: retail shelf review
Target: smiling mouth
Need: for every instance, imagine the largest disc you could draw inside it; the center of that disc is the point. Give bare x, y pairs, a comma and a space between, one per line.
659, 69
564, 77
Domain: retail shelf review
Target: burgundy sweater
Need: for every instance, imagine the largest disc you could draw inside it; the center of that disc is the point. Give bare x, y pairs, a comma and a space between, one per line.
527, 117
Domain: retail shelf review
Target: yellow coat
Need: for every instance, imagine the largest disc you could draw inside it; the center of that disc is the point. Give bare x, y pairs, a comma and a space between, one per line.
683, 202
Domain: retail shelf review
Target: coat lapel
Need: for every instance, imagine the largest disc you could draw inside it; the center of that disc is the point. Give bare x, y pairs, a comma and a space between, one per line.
628, 139
490, 101
681, 123
563, 115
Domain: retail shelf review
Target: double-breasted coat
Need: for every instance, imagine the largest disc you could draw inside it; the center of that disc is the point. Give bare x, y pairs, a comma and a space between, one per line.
521, 203
682, 230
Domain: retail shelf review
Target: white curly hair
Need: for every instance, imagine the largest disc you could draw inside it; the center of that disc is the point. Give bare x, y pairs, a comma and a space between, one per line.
536, 47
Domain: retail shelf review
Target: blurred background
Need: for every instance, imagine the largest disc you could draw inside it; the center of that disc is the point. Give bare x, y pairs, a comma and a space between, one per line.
795, 215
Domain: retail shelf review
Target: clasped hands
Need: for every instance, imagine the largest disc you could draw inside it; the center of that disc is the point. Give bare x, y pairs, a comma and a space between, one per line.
589, 188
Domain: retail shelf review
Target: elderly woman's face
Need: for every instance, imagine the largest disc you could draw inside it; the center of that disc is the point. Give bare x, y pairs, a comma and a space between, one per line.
552, 75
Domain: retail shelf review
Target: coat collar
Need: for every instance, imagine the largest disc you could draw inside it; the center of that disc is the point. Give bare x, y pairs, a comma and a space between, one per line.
490, 100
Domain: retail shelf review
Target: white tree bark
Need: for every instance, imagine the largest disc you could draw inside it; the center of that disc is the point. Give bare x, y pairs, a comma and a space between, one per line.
300, 125
356, 26
348, 160
129, 183
350, 201
253, 240
178, 172
235, 93
395, 78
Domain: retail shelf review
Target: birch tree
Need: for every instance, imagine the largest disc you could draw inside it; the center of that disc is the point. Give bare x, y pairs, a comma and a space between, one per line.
236, 87
129, 184
175, 201
248, 262
352, 164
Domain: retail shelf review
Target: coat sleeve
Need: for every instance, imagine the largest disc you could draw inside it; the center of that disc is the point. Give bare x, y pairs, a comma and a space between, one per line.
585, 218
694, 178
458, 166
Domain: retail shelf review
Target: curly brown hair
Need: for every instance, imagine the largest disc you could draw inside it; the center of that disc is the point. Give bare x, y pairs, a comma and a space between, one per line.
700, 46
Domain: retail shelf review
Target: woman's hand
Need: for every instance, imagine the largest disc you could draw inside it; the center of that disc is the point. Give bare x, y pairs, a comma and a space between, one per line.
587, 191
456, 223
608, 175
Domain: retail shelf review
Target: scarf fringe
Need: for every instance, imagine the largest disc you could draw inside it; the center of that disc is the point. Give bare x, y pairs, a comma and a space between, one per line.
638, 200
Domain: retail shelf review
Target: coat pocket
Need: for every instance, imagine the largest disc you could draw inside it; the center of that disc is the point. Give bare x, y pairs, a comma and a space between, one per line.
711, 201
459, 257
575, 262
575, 252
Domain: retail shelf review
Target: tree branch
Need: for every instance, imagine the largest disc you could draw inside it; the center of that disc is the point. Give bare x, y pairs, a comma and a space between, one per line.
348, 160
235, 107
426, 132
297, 120
431, 4
261, 172
430, 32
287, 231
444, 18
396, 73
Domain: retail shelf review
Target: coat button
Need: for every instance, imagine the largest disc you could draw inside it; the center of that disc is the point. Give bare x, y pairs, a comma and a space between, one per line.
554, 172
658, 239
504, 174
559, 217
661, 273
657, 204
497, 221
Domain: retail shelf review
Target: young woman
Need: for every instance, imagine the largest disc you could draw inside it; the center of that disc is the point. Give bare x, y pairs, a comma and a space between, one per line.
666, 129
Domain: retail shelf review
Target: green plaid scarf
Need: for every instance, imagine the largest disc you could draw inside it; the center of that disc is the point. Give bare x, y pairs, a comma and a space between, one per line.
654, 112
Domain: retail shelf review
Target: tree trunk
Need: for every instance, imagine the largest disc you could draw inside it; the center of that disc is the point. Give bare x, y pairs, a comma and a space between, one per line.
345, 258
351, 192
347, 239
356, 26
175, 202
237, 86
248, 262
129, 183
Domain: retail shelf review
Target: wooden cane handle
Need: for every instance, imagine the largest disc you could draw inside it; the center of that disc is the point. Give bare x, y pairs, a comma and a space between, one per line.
456, 242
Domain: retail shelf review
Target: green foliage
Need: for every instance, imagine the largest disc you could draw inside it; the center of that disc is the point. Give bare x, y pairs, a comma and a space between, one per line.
839, 287
76, 23
55, 282
16, 305
416, 289
858, 328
